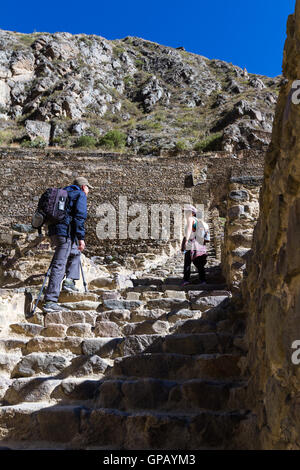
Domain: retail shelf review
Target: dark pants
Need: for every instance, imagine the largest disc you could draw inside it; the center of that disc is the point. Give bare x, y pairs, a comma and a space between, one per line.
199, 262
66, 261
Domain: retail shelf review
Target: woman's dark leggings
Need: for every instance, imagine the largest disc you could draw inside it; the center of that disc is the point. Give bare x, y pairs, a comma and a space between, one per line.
199, 262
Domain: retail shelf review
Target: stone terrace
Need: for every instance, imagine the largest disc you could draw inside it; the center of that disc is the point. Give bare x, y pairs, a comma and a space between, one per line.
147, 180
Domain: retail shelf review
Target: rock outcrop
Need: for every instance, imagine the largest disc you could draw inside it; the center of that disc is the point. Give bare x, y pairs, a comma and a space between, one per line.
82, 85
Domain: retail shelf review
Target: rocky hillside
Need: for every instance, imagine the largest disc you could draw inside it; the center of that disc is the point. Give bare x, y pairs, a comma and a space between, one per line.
87, 91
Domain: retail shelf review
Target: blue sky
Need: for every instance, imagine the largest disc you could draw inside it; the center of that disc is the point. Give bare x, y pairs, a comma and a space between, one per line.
246, 33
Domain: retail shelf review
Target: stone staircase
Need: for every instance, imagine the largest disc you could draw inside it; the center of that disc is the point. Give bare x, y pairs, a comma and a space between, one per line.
151, 366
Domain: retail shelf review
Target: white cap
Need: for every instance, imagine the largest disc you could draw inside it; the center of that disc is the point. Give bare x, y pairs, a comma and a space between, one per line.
189, 207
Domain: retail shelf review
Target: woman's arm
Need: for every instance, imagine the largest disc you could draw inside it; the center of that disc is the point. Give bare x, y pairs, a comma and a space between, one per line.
188, 228
187, 233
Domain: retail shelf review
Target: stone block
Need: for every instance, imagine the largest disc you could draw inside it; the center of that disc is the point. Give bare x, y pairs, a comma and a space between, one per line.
147, 327
101, 282
235, 211
41, 344
83, 330
205, 303
117, 316
112, 304
27, 329
135, 344
106, 328
54, 330
37, 363
239, 195
103, 347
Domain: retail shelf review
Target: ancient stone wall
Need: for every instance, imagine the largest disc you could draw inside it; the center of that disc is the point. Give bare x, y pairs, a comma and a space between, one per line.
145, 180
272, 288
218, 232
242, 215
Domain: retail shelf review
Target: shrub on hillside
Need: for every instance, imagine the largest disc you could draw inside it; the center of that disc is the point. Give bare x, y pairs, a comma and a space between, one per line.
6, 137
180, 145
210, 143
112, 140
86, 141
37, 143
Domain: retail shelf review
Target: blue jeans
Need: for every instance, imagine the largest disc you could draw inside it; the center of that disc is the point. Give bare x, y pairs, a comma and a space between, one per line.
66, 261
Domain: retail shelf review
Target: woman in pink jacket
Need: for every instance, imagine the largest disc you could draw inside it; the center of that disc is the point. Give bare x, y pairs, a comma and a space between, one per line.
196, 236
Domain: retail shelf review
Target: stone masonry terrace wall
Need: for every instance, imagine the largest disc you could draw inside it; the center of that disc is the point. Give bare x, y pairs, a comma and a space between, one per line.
242, 215
142, 179
272, 288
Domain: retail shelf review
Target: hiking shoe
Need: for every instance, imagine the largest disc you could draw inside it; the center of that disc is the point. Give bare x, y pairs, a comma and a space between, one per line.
203, 283
184, 283
51, 307
69, 285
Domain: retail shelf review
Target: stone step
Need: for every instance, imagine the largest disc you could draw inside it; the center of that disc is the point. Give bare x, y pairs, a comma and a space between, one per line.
195, 302
177, 366
112, 304
71, 297
181, 315
166, 395
195, 344
174, 294
205, 303
16, 344
117, 347
62, 333
43, 344
209, 321
71, 305
208, 342
60, 365
78, 426
8, 362
106, 347
112, 322
26, 329
194, 326
68, 318
49, 388
81, 305
118, 316
68, 337
195, 294
135, 343
147, 281
175, 285
147, 327
168, 304
127, 394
